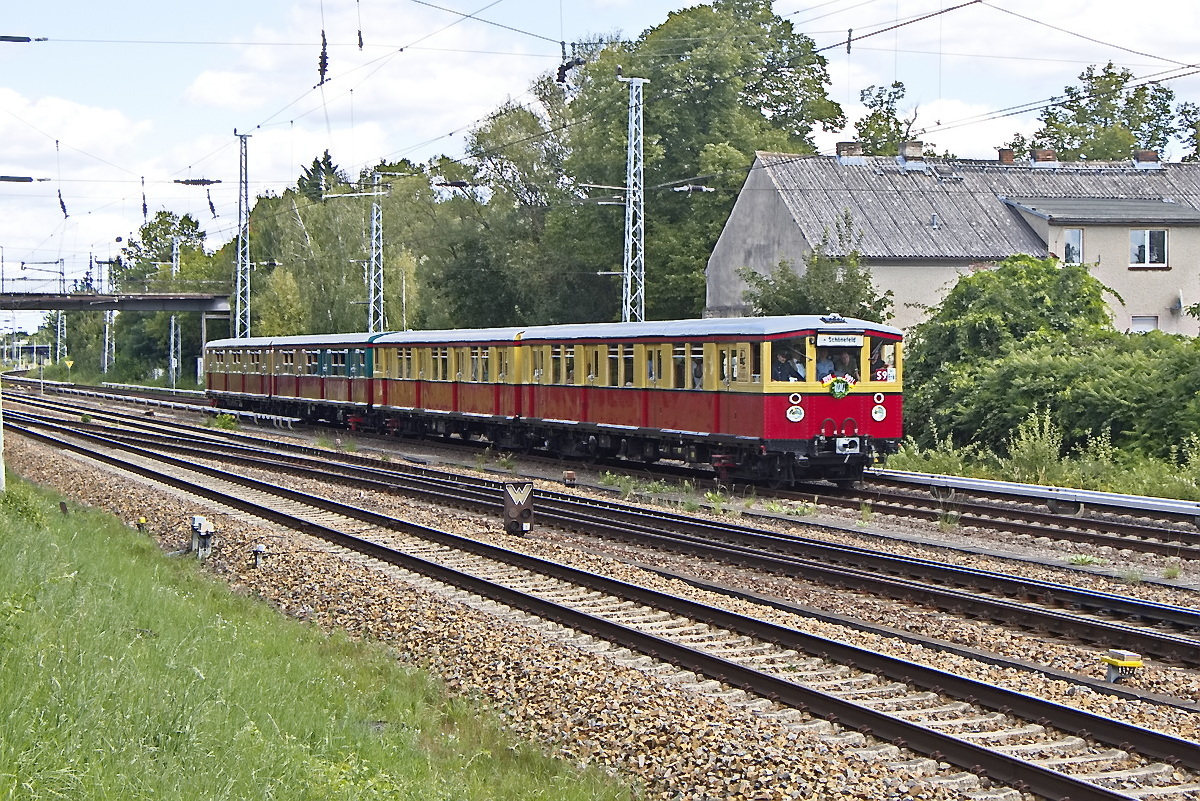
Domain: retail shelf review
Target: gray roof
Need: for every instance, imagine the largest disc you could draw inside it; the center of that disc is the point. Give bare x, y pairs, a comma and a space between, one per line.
956, 209
1107, 211
678, 330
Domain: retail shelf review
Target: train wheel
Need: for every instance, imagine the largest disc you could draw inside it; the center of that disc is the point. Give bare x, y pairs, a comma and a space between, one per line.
781, 475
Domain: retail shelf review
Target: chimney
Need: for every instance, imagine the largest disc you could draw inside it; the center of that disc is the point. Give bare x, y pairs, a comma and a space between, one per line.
912, 150
1007, 155
850, 154
1044, 155
1146, 160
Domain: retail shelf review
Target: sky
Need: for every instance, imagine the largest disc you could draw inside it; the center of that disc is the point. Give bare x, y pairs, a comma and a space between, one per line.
124, 99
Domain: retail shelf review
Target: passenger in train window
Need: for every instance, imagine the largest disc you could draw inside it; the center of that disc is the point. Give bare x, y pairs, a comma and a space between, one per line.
844, 364
782, 369
879, 367
799, 368
697, 374
825, 365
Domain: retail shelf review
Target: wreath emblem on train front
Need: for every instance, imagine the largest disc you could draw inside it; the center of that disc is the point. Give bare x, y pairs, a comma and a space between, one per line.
839, 385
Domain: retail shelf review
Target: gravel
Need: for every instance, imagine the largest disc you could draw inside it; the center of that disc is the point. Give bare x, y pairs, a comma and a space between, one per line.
680, 744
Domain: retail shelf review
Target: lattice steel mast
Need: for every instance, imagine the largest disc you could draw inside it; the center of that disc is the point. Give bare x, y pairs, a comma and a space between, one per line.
633, 281
241, 314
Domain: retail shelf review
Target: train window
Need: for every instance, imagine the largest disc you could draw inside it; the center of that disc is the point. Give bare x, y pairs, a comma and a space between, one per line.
421, 363
612, 373
503, 367
883, 359
559, 369
288, 359
657, 357
688, 365
538, 363
408, 363
312, 362
797, 354
727, 363
750, 356
592, 360
441, 364
482, 368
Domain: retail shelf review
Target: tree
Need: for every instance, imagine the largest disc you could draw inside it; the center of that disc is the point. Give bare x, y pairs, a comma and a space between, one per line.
317, 180
990, 316
1189, 130
282, 307
882, 130
1105, 118
141, 261
725, 79
145, 265
834, 280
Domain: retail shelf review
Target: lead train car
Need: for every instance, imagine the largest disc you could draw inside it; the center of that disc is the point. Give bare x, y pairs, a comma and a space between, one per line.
717, 391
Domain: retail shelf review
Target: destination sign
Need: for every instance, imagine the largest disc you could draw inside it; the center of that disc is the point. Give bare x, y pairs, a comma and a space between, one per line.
839, 340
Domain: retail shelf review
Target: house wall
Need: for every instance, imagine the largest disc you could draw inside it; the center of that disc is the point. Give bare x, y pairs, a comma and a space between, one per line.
916, 286
764, 235
1144, 292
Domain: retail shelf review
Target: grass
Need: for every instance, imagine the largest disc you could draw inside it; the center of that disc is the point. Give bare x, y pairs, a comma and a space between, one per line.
127, 674
226, 422
1085, 559
1036, 454
716, 501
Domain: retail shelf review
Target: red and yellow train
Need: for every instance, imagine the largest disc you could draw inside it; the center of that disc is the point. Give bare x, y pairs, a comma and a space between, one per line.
771, 399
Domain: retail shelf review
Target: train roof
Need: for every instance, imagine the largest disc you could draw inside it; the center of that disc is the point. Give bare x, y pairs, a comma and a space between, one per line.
756, 327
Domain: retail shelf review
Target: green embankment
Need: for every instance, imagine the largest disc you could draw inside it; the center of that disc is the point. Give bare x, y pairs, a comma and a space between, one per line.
126, 674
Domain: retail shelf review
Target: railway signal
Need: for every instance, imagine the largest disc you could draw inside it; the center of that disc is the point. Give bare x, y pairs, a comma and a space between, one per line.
518, 507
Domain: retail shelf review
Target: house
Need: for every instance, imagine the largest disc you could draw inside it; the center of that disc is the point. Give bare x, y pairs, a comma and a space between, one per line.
920, 223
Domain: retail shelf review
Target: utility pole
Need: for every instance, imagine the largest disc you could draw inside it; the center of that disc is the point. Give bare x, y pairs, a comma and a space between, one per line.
175, 356
633, 281
110, 317
60, 328
241, 319
376, 321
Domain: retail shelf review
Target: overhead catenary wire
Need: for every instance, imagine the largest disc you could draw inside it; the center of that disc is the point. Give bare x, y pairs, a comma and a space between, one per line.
857, 38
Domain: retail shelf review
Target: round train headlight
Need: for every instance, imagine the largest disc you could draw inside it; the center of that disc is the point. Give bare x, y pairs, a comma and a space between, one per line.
795, 414
879, 397
795, 398
878, 412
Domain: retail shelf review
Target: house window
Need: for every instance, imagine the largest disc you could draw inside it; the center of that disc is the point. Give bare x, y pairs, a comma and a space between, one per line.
1140, 324
1073, 246
1147, 248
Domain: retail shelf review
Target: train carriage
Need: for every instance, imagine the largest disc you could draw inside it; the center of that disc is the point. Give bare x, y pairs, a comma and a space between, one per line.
759, 398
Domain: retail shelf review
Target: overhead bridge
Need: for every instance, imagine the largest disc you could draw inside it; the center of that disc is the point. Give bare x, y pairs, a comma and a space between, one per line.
215, 305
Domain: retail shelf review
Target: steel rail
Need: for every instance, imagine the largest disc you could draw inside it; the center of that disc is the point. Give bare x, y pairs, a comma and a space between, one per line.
747, 546
1026, 776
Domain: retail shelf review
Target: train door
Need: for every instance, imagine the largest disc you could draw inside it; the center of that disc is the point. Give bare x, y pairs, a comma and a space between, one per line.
736, 380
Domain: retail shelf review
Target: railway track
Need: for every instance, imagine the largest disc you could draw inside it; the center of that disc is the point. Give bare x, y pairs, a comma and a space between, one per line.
917, 717
1015, 510
1160, 631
